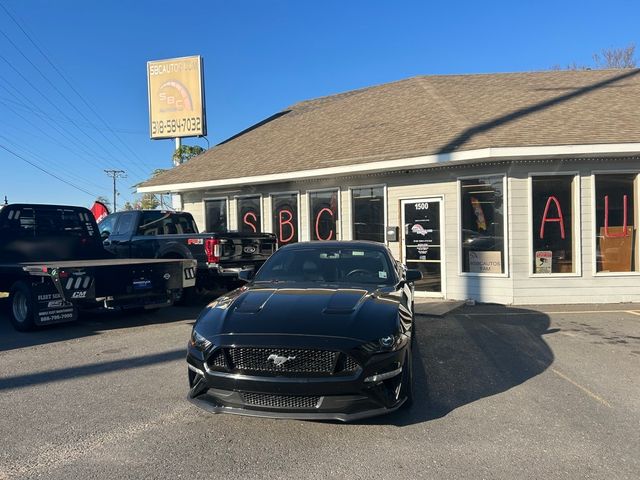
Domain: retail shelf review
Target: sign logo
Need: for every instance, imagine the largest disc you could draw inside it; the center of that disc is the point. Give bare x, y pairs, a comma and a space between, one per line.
176, 98
279, 360
420, 230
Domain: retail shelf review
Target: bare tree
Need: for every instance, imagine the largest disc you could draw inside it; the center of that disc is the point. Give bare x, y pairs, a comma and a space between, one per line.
616, 57
607, 58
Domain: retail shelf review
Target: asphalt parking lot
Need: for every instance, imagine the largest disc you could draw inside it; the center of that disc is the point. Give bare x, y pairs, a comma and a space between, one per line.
501, 393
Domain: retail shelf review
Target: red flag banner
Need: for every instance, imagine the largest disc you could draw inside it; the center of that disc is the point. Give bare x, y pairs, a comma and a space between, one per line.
99, 210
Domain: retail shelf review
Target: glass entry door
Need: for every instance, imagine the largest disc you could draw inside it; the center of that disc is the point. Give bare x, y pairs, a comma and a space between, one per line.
421, 242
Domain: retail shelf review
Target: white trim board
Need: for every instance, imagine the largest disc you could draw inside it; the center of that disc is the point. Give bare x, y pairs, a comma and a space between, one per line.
483, 154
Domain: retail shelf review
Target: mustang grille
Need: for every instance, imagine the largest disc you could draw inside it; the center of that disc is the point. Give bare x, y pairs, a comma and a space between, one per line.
217, 360
280, 401
290, 360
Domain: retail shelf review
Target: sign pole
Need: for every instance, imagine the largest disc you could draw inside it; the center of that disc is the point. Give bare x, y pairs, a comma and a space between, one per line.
177, 161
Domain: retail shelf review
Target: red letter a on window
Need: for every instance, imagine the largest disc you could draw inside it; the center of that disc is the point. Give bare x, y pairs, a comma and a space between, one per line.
546, 219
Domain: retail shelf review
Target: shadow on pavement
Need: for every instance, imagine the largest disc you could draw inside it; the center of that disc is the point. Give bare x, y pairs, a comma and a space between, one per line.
50, 376
471, 354
92, 322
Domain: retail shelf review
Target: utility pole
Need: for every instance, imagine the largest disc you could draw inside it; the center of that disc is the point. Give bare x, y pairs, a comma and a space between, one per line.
115, 174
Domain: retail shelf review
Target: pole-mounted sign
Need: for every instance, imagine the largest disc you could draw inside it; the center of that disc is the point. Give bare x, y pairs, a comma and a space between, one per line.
176, 98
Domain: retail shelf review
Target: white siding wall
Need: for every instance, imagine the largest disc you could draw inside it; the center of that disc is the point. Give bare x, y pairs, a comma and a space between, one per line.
519, 286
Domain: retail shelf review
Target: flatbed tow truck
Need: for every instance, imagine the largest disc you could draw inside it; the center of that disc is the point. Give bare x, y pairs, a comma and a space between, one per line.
53, 263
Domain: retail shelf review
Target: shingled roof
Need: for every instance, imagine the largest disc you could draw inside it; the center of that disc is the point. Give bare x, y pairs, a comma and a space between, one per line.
428, 115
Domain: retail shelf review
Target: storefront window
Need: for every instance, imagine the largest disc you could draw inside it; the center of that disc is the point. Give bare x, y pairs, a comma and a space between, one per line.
367, 213
249, 214
323, 209
552, 217
616, 242
285, 217
483, 227
216, 215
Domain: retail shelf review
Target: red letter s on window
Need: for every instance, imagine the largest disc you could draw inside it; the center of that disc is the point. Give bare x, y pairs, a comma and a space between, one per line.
247, 222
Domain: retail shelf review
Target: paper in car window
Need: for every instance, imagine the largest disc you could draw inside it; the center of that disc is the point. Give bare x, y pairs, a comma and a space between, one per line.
382, 274
357, 253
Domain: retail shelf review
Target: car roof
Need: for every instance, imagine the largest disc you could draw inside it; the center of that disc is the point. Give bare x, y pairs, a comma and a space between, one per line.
336, 244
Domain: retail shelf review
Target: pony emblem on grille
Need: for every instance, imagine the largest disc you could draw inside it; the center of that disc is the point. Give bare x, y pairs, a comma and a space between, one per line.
278, 359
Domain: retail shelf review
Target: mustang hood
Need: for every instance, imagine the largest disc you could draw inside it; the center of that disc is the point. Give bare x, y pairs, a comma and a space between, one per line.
349, 312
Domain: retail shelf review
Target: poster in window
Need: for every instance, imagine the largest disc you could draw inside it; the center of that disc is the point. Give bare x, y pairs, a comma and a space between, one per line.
485, 262
544, 261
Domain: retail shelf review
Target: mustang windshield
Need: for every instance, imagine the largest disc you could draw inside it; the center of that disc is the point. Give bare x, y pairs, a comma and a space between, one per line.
328, 265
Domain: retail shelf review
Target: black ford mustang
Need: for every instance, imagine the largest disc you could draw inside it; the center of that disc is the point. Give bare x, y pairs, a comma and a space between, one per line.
324, 331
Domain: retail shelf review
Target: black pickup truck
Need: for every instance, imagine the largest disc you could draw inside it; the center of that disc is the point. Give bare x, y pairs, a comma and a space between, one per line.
164, 234
52, 263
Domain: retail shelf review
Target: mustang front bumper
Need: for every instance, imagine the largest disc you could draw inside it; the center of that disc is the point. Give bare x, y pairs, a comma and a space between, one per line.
373, 389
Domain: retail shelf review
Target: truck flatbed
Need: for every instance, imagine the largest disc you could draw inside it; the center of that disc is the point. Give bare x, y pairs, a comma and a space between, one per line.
89, 263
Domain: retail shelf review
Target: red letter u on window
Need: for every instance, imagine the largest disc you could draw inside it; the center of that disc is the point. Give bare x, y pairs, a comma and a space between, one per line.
624, 232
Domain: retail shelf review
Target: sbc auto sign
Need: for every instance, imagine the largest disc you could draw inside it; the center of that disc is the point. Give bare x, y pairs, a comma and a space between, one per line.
176, 98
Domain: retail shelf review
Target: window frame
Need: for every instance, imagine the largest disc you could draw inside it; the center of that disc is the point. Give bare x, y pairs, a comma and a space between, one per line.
299, 217
636, 218
385, 215
576, 230
506, 238
260, 202
339, 206
204, 210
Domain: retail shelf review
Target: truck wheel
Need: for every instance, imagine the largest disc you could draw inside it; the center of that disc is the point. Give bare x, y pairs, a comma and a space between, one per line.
22, 309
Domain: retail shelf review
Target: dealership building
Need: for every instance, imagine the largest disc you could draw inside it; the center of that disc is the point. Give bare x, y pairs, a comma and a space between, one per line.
518, 188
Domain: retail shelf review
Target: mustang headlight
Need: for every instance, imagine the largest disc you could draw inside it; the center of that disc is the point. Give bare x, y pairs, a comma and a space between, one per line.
388, 343
198, 341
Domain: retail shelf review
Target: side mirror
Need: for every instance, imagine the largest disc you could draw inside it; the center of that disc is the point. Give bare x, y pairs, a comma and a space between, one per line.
105, 234
246, 275
413, 276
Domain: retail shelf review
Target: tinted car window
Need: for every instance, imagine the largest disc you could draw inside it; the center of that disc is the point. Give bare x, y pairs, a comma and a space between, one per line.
125, 223
328, 265
164, 223
60, 222
106, 225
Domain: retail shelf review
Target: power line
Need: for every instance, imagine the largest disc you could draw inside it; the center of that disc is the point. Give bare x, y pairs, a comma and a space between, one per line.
35, 155
42, 114
89, 154
48, 80
59, 72
2, 57
66, 134
47, 171
115, 174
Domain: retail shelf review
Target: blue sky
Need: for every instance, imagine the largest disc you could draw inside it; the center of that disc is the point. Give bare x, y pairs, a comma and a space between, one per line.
260, 56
